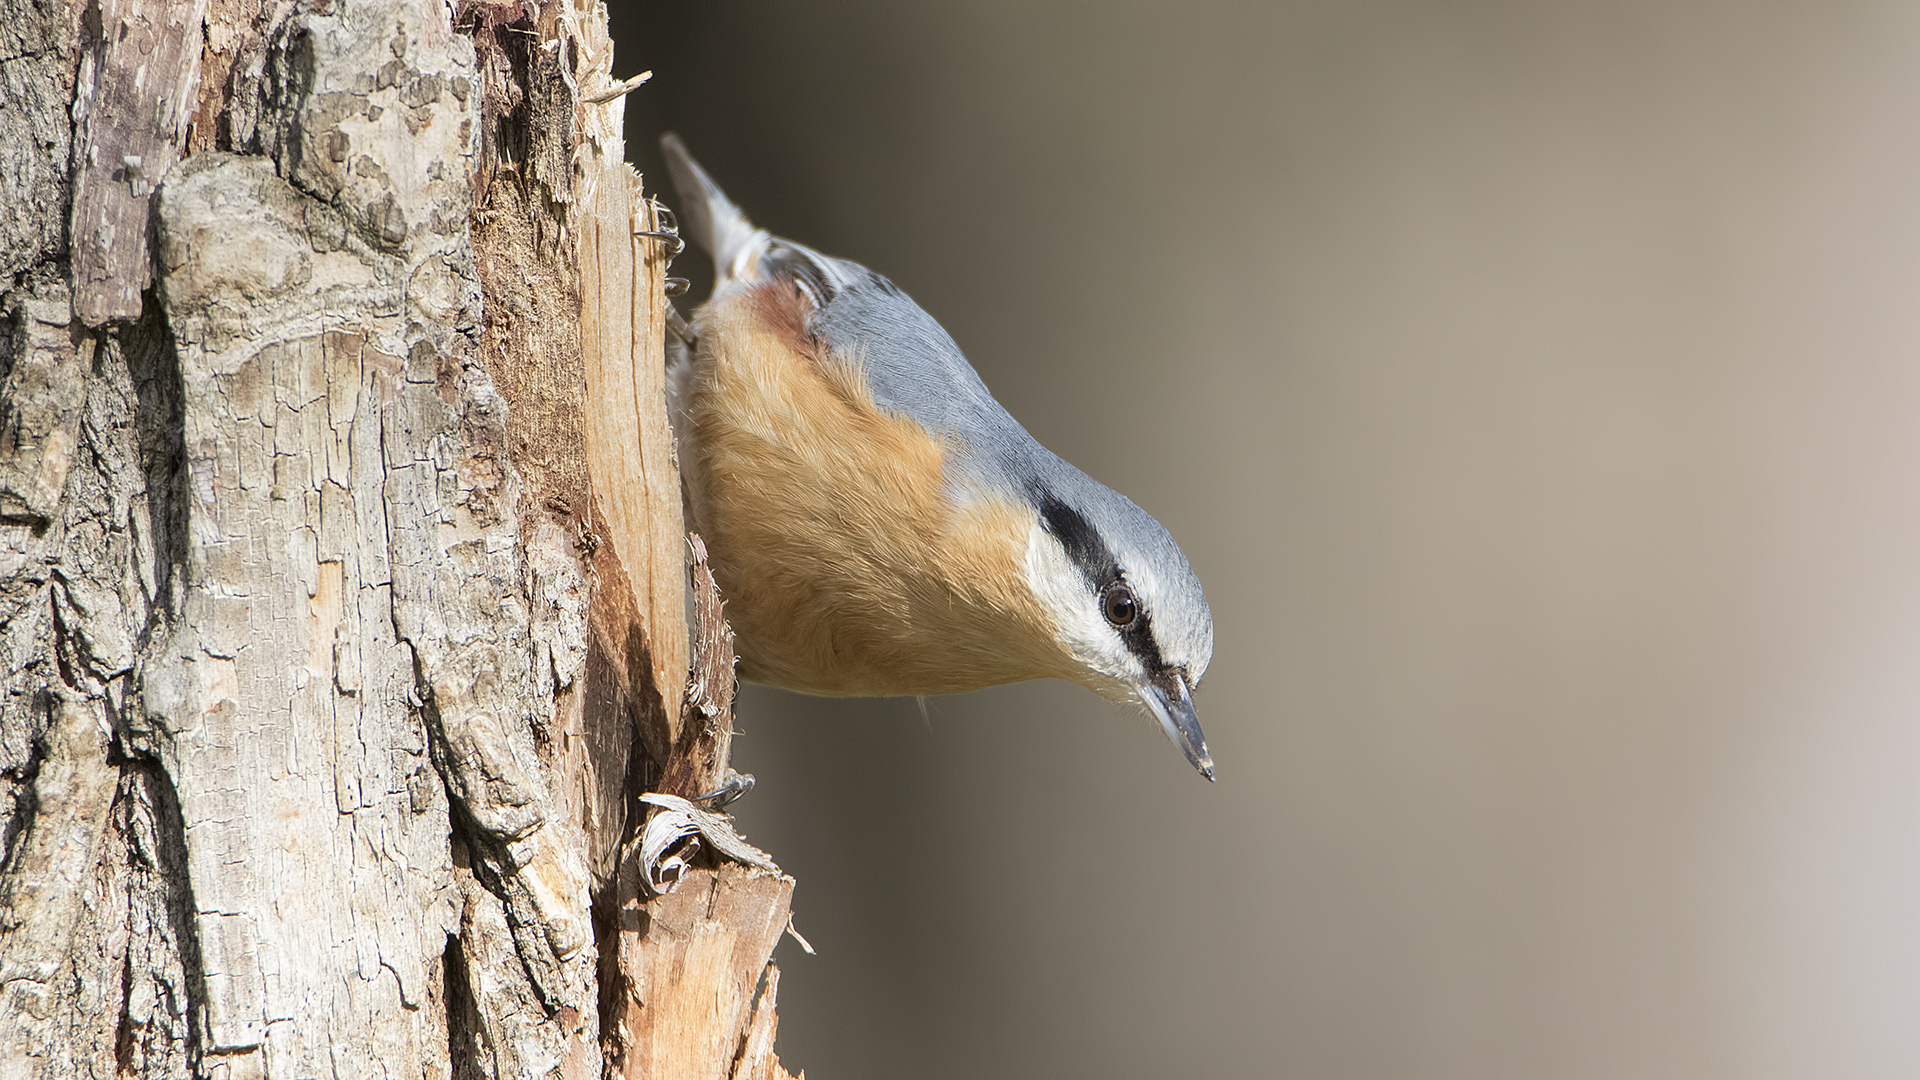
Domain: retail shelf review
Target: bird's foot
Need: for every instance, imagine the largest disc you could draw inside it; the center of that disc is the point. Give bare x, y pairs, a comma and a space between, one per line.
732, 786
668, 232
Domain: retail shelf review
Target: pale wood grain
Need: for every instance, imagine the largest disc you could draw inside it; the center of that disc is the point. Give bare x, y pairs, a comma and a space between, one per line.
343, 573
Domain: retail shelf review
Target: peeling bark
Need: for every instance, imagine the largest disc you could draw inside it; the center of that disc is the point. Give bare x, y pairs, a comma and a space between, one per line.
139, 80
342, 569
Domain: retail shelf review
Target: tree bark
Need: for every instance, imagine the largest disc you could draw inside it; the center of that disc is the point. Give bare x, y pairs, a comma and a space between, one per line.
342, 564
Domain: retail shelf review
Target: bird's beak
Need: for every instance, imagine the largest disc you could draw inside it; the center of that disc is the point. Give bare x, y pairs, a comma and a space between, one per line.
1165, 694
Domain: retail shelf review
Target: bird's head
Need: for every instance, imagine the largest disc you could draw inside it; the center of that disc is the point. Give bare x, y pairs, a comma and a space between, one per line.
1124, 605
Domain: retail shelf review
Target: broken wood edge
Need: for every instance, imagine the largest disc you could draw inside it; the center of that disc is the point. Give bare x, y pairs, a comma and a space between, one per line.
667, 1019
701, 752
635, 481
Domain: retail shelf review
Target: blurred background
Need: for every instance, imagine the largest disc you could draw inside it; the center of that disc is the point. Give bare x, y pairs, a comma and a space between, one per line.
1536, 390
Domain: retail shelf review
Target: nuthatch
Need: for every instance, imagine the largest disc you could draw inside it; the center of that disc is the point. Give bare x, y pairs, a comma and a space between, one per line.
877, 522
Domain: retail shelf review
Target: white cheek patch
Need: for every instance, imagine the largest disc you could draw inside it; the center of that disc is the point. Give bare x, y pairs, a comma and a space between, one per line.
1112, 671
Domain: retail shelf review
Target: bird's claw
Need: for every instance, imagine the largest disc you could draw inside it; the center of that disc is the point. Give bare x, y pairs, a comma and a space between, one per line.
668, 231
732, 787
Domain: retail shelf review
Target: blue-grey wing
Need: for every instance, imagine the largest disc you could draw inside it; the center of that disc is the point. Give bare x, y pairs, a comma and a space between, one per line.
912, 365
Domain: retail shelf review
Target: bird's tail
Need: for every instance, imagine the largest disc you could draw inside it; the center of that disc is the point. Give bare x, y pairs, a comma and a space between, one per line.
707, 215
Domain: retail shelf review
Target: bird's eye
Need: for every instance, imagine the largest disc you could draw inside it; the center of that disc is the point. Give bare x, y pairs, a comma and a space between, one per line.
1119, 605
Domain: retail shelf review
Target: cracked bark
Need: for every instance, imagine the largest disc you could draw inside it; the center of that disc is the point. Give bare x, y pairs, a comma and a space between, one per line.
340, 635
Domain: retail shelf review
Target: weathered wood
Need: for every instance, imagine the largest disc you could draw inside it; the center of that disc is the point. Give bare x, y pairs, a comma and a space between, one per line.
52, 885
138, 86
757, 1060
39, 42
40, 402
623, 344
699, 761
341, 570
694, 958
353, 551
680, 971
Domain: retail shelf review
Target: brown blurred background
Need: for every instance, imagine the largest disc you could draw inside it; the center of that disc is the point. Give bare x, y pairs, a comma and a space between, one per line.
1535, 389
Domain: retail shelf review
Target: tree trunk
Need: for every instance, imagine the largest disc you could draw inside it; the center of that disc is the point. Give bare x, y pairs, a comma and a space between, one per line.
342, 565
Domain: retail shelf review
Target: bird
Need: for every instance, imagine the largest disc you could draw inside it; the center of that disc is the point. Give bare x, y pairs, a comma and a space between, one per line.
878, 524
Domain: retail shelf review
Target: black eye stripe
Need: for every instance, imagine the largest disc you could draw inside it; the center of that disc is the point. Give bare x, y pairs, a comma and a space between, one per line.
1087, 550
